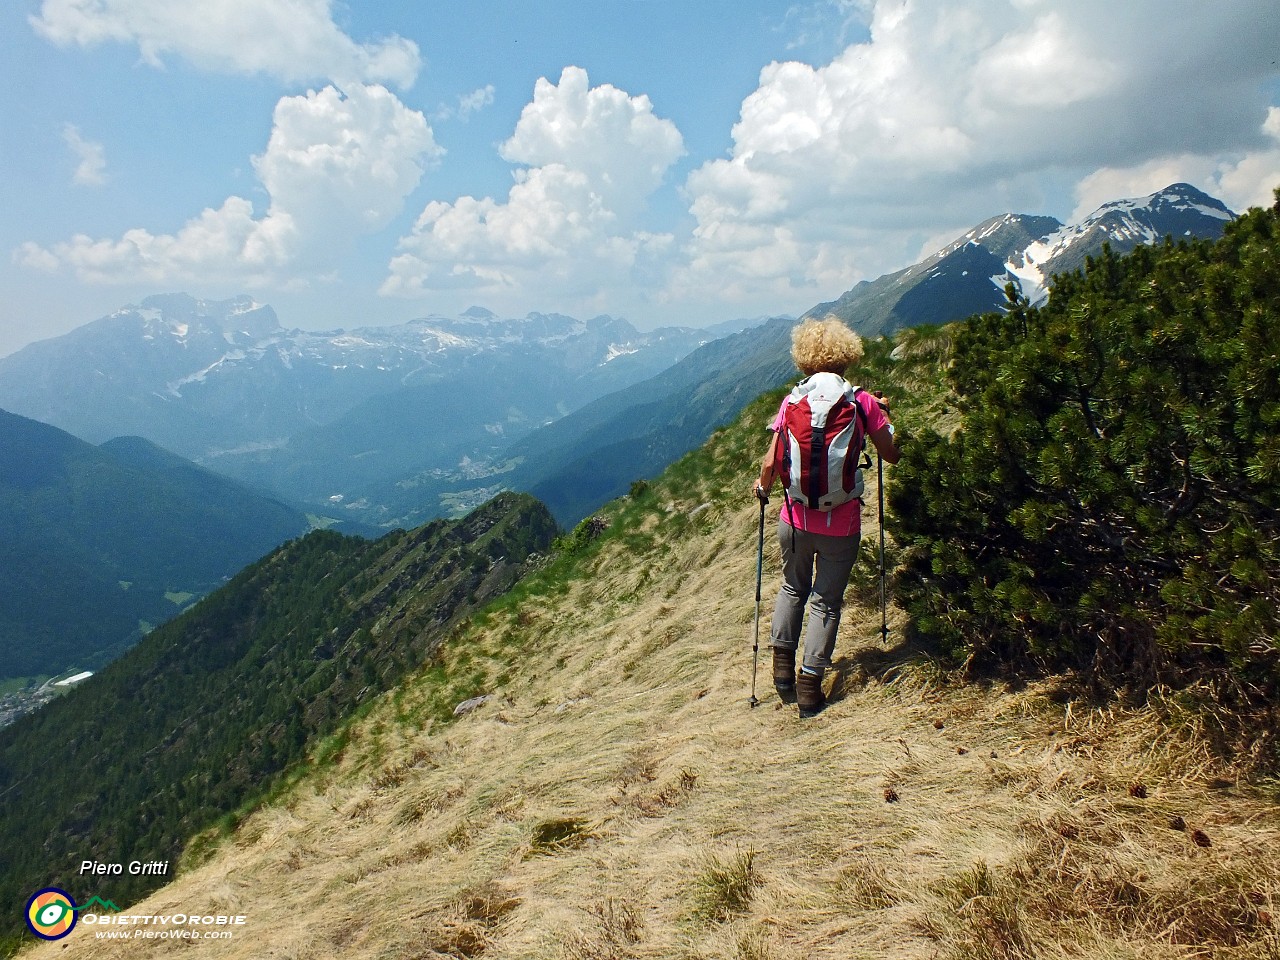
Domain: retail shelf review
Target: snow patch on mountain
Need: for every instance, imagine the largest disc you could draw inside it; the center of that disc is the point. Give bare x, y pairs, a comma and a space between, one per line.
174, 387
244, 305
618, 350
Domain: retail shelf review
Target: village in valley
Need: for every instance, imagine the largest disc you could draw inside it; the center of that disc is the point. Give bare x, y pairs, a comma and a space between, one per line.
20, 702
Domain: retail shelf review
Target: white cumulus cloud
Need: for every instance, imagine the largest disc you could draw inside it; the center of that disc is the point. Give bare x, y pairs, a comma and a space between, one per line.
954, 111
475, 100
589, 157
468, 103
296, 40
336, 166
91, 158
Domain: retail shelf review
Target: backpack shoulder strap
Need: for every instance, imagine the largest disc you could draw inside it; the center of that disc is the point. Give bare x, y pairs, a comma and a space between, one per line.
862, 414
862, 423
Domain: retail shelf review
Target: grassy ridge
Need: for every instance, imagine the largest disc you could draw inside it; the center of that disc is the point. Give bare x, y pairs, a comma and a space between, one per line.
617, 798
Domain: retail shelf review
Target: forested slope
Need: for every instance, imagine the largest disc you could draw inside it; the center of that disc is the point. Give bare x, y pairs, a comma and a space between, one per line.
94, 541
207, 712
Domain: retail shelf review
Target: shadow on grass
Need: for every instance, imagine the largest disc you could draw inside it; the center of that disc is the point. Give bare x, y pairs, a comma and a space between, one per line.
873, 659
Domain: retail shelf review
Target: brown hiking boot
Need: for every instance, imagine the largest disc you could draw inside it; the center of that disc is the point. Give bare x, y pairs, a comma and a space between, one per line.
809, 694
784, 674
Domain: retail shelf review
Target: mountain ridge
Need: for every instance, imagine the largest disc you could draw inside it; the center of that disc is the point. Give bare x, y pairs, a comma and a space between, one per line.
393, 425
654, 421
177, 347
1023, 249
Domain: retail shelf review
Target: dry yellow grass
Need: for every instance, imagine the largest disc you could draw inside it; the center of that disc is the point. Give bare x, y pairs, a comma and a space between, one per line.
619, 799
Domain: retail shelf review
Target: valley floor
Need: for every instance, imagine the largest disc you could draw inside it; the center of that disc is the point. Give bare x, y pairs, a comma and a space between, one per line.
618, 798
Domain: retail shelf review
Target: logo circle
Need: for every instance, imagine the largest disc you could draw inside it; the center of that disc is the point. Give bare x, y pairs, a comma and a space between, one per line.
51, 913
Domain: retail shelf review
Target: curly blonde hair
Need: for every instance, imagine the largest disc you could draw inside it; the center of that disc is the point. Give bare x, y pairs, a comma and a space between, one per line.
824, 346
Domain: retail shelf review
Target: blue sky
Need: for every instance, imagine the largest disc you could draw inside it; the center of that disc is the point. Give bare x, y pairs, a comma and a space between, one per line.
670, 162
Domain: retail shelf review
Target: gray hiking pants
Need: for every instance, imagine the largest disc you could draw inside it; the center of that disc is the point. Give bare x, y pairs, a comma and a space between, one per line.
817, 571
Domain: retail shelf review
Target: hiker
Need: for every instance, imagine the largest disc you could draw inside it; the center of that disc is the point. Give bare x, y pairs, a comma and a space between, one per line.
819, 542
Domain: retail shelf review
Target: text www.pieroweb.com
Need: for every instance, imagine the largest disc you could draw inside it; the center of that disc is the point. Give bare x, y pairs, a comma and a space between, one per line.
164, 934
176, 927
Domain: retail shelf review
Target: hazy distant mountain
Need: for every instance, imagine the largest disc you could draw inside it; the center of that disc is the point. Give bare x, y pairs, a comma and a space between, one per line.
968, 276
97, 541
318, 416
589, 457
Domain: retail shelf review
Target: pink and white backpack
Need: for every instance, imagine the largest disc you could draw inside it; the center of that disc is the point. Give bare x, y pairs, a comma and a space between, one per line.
823, 430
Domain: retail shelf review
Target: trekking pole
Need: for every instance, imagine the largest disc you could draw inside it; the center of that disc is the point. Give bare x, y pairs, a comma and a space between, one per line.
884, 616
755, 649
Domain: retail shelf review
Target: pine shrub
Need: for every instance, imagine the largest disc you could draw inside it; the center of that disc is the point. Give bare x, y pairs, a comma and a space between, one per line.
1111, 500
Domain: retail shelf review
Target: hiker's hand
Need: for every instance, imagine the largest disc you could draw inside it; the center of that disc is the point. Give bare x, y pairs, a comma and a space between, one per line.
760, 493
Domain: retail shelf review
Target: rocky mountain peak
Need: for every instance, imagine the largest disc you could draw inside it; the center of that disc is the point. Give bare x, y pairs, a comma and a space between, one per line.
969, 274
